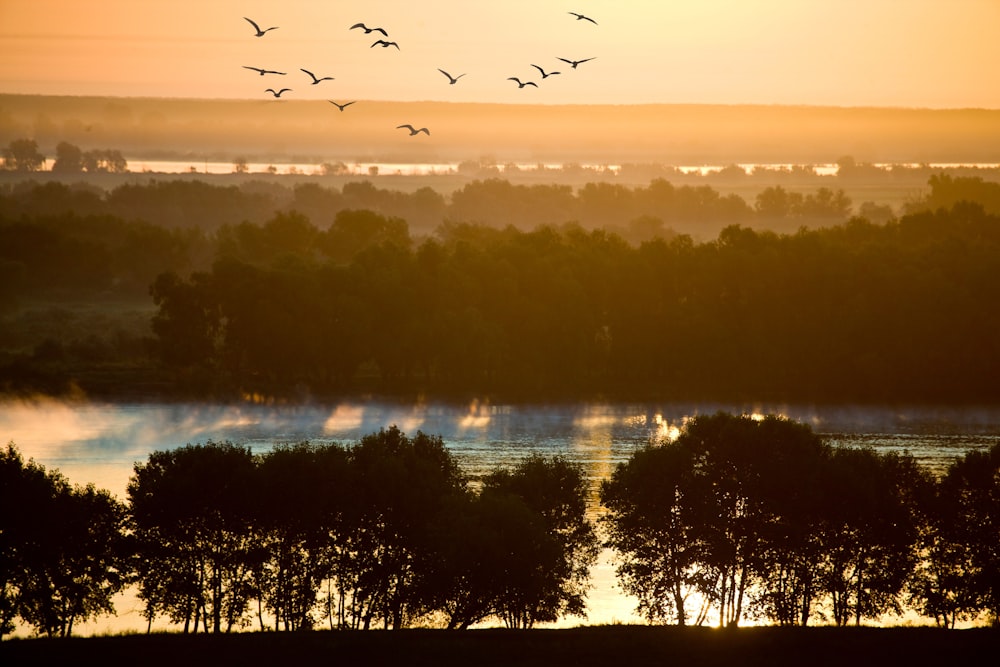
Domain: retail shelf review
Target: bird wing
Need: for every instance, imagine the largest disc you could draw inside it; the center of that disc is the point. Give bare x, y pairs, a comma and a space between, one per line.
407, 126
381, 31
358, 25
256, 69
446, 74
255, 26
425, 131
565, 61
309, 73
531, 83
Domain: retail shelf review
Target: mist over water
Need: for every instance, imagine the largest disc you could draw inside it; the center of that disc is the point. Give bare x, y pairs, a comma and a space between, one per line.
100, 443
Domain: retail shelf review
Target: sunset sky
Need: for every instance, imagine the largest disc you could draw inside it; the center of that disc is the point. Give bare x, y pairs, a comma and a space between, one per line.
911, 53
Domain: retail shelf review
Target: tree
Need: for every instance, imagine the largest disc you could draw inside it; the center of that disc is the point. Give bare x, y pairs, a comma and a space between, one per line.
727, 511
400, 486
69, 159
191, 515
649, 528
548, 572
188, 323
302, 494
62, 552
874, 520
965, 555
23, 155
105, 161
943, 586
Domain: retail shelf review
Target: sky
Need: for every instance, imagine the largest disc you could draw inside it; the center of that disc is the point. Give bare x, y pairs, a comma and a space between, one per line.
884, 53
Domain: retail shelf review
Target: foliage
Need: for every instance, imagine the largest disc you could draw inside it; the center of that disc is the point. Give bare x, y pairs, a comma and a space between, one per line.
61, 550
549, 562
22, 155
855, 311
191, 512
762, 519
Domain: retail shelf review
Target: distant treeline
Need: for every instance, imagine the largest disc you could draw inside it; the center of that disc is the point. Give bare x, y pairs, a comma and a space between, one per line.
737, 519
634, 212
905, 310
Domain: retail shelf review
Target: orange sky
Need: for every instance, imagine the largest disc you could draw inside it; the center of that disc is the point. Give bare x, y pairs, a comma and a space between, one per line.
914, 53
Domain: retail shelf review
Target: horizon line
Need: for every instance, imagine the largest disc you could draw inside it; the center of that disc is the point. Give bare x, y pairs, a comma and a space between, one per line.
761, 105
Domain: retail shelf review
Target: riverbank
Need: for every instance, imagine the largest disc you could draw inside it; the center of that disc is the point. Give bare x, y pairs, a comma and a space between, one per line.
607, 645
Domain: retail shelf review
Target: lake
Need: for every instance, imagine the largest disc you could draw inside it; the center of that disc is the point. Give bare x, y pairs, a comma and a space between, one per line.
100, 443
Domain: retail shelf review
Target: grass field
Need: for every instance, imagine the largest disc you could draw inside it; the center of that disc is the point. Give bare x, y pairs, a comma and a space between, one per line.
608, 646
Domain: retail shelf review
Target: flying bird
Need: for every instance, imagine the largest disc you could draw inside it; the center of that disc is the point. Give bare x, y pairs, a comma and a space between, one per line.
277, 93
384, 44
315, 78
522, 85
414, 130
545, 74
263, 71
574, 63
341, 106
581, 17
260, 33
368, 30
451, 79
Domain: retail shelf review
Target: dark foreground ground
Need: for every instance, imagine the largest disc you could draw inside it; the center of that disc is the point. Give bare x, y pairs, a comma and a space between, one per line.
612, 646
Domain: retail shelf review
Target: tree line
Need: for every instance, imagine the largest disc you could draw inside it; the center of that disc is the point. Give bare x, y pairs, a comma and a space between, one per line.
737, 519
22, 155
853, 311
902, 311
759, 518
637, 213
386, 533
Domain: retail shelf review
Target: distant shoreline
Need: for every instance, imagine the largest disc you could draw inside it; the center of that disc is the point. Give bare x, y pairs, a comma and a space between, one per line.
366, 132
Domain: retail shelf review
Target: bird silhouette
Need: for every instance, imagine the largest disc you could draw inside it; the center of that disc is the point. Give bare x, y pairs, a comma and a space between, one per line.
520, 84
414, 130
260, 33
451, 79
384, 44
574, 63
263, 71
581, 17
544, 74
315, 78
368, 30
277, 93
341, 106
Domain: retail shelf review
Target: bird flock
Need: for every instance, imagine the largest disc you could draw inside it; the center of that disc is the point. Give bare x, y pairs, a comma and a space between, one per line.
385, 43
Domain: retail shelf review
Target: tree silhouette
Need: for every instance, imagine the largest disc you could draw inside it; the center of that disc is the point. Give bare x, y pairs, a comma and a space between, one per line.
23, 155
62, 551
191, 514
549, 570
